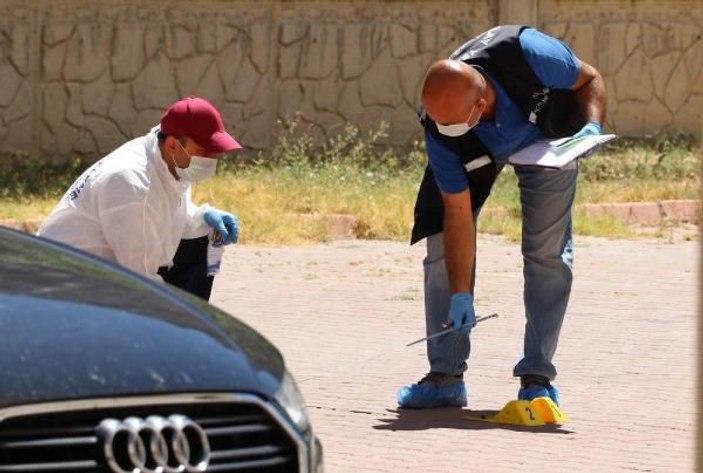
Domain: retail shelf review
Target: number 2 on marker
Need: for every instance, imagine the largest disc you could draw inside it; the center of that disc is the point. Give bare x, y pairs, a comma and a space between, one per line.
529, 411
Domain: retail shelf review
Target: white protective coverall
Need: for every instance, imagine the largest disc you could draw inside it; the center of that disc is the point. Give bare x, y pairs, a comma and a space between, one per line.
128, 208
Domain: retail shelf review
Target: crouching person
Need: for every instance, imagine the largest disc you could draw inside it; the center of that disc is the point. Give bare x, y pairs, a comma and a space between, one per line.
134, 206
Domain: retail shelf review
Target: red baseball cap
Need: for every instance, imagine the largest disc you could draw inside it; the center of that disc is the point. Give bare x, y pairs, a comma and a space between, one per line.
200, 121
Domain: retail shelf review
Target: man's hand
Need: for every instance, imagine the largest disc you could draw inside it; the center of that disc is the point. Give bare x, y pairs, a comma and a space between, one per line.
461, 312
591, 128
225, 223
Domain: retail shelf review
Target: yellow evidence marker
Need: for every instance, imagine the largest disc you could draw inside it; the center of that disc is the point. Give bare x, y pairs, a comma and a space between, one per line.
537, 412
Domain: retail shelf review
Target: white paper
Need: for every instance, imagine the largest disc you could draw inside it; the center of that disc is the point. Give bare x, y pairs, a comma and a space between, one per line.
557, 153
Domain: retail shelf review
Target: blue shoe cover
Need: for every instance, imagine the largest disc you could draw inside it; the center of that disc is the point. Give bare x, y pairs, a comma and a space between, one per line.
419, 396
533, 391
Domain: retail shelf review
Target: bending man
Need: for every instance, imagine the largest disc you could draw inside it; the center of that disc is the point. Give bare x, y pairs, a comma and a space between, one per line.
498, 93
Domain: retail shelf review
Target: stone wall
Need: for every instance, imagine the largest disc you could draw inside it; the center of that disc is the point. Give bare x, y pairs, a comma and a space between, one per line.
79, 76
650, 53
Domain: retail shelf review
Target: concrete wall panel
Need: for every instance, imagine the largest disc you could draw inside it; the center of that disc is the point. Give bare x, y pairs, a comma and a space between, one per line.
81, 76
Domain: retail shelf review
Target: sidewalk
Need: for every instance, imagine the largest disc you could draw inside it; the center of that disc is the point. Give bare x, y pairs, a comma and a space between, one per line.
342, 314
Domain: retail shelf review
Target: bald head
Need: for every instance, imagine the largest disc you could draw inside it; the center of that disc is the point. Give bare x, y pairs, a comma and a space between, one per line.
450, 91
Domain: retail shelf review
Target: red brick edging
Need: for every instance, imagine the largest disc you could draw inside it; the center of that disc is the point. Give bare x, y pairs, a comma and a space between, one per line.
642, 213
649, 213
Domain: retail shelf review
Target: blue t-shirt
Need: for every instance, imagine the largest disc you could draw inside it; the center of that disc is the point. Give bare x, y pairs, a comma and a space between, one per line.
554, 64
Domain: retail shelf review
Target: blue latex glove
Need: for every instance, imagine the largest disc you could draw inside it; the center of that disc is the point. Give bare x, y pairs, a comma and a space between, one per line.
591, 128
461, 312
225, 223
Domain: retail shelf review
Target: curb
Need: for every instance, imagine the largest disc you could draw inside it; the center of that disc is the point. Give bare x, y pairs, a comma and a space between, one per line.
648, 213
339, 225
28, 226
638, 213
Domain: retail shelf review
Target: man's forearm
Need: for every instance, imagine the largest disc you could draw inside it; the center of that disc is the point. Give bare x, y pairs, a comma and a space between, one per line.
459, 241
591, 96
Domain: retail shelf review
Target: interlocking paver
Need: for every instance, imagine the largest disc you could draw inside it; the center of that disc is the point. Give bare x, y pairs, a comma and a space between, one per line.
342, 313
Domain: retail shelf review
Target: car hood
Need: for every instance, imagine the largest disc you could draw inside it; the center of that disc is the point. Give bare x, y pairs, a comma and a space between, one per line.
74, 326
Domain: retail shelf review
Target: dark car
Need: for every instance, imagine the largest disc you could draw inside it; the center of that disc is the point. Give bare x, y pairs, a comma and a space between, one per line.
102, 370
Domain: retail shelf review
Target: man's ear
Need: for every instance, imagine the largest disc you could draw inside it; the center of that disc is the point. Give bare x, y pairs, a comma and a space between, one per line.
171, 152
481, 105
170, 145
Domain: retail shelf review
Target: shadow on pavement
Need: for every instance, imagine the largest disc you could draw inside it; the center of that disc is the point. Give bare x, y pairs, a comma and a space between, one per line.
454, 418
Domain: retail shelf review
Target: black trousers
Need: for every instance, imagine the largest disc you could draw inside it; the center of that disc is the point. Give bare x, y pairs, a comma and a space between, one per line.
189, 270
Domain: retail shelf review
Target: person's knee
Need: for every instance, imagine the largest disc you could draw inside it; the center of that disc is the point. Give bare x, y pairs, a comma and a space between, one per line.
546, 253
433, 261
435, 250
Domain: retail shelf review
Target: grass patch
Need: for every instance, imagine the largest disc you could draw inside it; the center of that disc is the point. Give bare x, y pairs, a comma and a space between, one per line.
269, 203
354, 175
26, 209
23, 180
351, 175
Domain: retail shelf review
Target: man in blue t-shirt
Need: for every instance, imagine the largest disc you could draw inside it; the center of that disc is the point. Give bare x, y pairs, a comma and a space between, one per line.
459, 99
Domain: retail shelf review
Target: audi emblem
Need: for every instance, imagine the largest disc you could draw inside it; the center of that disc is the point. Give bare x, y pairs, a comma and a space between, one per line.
154, 445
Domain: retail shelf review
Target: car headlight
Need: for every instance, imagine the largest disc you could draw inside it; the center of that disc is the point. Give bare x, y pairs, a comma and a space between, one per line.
292, 402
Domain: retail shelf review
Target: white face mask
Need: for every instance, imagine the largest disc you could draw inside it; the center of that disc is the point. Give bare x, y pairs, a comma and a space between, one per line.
199, 169
457, 129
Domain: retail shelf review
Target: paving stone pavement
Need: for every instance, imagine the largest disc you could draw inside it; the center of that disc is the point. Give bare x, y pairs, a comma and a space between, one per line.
341, 313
